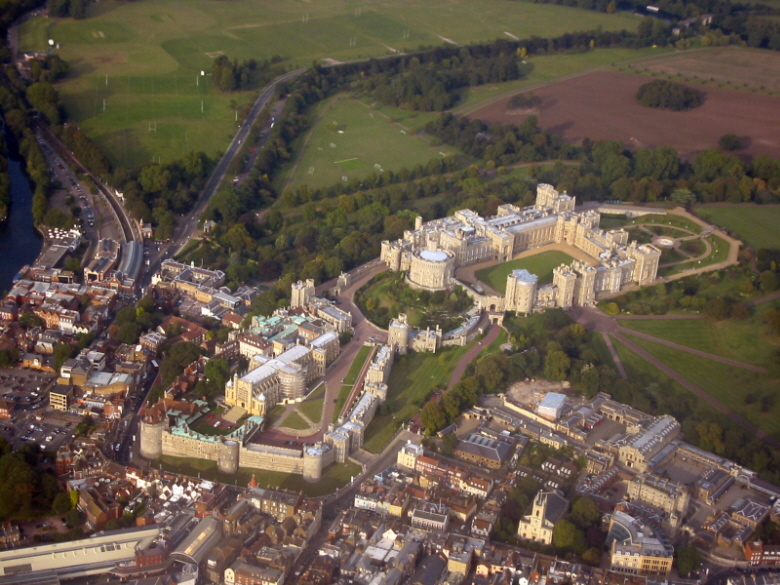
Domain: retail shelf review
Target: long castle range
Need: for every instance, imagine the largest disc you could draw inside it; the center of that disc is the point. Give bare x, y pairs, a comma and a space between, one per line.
434, 250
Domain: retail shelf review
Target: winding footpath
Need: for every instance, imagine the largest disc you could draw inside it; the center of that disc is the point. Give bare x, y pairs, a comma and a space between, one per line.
467, 358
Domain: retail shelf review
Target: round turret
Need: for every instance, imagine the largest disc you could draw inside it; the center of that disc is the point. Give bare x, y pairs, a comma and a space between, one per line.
150, 431
312, 463
227, 457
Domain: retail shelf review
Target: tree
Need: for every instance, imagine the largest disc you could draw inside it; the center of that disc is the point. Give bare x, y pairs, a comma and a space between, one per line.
556, 365
29, 320
217, 372
568, 537
684, 197
74, 518
62, 353
769, 281
669, 95
448, 444
62, 503
729, 142
585, 512
128, 333
592, 556
433, 418
687, 558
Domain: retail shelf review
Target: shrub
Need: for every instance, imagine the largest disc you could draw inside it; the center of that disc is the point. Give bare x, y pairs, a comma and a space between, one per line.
669, 95
729, 142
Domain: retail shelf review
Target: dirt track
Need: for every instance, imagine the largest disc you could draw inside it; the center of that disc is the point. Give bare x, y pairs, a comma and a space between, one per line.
603, 106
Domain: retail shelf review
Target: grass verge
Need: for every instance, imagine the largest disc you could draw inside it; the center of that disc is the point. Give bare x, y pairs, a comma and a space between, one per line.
333, 478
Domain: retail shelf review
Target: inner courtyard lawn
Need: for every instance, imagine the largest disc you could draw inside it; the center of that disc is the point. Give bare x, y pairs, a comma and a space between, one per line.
542, 265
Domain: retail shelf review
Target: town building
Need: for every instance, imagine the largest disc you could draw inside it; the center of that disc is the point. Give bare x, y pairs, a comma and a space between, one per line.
637, 548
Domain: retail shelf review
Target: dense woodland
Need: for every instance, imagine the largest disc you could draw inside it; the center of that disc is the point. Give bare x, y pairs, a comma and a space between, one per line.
26, 490
608, 171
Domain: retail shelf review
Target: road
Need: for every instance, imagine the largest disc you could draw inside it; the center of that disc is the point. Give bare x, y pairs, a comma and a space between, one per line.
131, 231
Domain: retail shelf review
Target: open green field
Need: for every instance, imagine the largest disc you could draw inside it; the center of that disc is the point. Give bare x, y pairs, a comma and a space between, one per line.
333, 477
756, 225
413, 378
739, 389
151, 43
541, 265
746, 341
719, 252
351, 140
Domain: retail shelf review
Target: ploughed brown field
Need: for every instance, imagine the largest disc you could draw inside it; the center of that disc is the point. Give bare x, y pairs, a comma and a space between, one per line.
603, 106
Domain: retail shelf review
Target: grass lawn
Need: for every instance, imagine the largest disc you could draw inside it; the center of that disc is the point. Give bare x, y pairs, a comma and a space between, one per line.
739, 389
413, 378
312, 409
693, 247
352, 140
636, 366
294, 421
756, 225
333, 477
342, 398
746, 341
202, 427
158, 41
541, 265
312, 406
493, 347
357, 365
719, 253
274, 415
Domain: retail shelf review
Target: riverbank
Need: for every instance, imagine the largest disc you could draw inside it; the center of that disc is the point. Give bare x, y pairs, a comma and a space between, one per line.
20, 241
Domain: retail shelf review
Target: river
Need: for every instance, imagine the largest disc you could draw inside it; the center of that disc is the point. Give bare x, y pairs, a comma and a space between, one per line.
20, 243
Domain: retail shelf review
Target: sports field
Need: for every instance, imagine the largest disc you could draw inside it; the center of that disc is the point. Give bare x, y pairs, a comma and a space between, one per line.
541, 265
351, 140
756, 225
152, 52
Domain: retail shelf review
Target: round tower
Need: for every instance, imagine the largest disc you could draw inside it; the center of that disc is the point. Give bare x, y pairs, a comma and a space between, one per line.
227, 456
151, 430
312, 463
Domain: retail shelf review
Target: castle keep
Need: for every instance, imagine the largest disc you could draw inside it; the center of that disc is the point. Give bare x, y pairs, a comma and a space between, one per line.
432, 252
